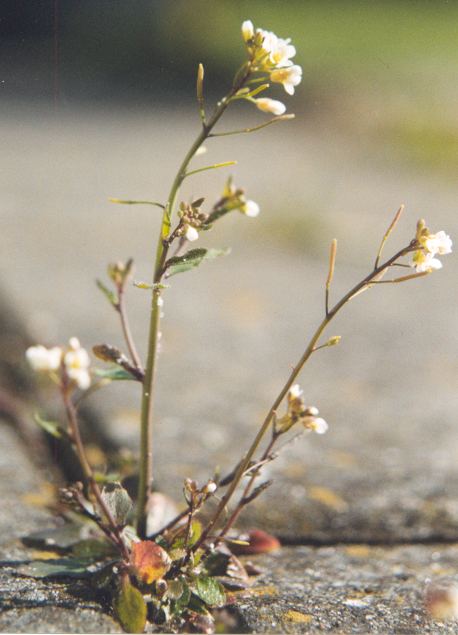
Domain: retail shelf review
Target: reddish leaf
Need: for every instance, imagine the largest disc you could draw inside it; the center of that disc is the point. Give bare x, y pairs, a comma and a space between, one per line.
149, 561
258, 542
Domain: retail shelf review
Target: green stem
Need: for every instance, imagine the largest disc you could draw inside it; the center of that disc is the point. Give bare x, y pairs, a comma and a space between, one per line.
146, 439
284, 391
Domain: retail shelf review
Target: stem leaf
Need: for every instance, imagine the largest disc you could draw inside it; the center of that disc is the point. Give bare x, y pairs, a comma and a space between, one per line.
191, 259
51, 427
115, 374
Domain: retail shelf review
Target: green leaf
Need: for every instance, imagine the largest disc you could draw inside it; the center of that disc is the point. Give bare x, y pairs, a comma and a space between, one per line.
115, 374
59, 568
191, 259
118, 502
130, 608
93, 549
110, 295
210, 591
51, 427
61, 537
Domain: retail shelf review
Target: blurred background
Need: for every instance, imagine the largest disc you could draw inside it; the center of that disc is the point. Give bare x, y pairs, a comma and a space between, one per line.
97, 100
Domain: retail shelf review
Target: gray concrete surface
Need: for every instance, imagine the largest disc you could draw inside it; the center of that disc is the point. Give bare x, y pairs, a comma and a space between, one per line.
386, 471
232, 330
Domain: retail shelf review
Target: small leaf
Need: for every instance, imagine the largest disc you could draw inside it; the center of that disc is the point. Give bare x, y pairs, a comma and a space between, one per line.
61, 537
115, 374
51, 427
191, 259
118, 502
195, 533
130, 608
149, 561
210, 591
63, 567
110, 295
92, 549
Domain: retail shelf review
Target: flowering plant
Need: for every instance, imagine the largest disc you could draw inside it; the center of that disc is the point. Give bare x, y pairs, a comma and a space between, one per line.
179, 571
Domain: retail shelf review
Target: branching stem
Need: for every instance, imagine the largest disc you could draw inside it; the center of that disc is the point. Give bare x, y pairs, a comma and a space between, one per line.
364, 283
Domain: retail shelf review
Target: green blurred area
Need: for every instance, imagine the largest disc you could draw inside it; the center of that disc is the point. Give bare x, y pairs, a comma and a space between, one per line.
382, 68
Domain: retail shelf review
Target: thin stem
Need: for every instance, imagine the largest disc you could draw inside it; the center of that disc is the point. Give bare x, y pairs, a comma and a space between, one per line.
393, 224
87, 470
255, 128
146, 440
215, 166
237, 511
121, 308
284, 391
332, 264
128, 202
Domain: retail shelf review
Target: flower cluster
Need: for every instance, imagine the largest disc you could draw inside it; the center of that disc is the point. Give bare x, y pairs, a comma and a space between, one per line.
424, 259
298, 412
73, 361
272, 55
191, 220
233, 198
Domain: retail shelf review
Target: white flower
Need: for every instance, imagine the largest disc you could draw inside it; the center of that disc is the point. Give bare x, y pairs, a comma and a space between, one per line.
77, 363
44, 359
210, 487
425, 262
250, 208
289, 77
270, 105
295, 391
439, 243
191, 233
317, 424
279, 50
247, 30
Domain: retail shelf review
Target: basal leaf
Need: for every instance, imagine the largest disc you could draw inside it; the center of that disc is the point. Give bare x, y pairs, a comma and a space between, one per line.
62, 567
61, 537
130, 608
191, 259
210, 591
149, 561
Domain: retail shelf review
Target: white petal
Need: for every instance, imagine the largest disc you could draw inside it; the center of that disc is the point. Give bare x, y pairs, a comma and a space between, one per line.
295, 391
270, 105
251, 209
247, 30
191, 233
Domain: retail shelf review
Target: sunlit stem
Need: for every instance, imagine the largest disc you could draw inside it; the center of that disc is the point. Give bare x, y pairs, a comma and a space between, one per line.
75, 435
215, 166
200, 92
146, 438
128, 202
255, 128
332, 264
393, 224
284, 391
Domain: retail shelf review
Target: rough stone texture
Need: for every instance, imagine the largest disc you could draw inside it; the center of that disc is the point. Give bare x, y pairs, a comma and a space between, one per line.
353, 589
27, 605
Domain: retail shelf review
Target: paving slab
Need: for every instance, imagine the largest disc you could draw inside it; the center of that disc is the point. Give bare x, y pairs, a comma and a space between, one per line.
387, 470
353, 589
340, 589
28, 605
